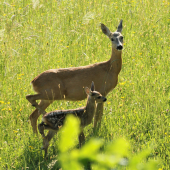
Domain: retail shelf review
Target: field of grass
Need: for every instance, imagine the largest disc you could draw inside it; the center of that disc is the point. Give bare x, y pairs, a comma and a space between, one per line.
39, 35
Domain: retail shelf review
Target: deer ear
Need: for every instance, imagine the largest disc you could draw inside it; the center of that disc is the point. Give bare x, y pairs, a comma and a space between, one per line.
92, 86
120, 27
105, 30
87, 90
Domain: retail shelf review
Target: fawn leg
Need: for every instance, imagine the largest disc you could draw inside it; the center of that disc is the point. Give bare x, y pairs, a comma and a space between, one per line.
46, 139
50, 134
41, 128
98, 115
81, 139
87, 165
35, 114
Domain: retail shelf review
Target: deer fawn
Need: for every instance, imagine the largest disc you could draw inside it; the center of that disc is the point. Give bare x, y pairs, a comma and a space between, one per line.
55, 119
68, 83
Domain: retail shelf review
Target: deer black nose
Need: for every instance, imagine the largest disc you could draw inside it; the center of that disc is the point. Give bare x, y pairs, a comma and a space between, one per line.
119, 47
104, 99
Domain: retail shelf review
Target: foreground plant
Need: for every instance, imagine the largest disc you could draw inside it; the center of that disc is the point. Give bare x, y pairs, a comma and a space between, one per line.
115, 155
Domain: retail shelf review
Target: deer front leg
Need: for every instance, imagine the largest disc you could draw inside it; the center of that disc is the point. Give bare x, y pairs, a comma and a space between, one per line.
98, 115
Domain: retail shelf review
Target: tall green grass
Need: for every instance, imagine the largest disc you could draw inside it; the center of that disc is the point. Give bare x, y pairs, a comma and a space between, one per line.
39, 35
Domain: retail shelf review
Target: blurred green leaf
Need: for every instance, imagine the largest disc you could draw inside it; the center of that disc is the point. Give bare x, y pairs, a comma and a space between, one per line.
107, 160
91, 149
112, 157
69, 133
151, 165
135, 162
119, 147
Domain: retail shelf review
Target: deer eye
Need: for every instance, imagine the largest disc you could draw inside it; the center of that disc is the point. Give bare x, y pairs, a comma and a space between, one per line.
121, 38
112, 39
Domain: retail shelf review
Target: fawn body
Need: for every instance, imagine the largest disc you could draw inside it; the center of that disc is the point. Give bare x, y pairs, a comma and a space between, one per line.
68, 83
55, 119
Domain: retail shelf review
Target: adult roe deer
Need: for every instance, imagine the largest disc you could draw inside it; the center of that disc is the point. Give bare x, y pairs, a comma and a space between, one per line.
55, 119
68, 83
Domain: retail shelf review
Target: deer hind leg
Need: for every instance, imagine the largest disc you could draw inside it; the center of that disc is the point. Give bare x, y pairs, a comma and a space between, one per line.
35, 114
32, 99
98, 115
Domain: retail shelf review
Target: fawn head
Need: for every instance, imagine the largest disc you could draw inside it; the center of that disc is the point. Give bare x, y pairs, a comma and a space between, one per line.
115, 37
95, 94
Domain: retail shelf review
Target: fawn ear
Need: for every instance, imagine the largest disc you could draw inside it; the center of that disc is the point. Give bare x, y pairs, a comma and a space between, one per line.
120, 27
92, 86
87, 90
105, 30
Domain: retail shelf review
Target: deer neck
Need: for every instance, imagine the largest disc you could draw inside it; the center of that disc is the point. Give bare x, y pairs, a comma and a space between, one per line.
90, 108
116, 60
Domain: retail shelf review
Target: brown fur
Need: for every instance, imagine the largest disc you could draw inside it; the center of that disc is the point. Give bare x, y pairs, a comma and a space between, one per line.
68, 83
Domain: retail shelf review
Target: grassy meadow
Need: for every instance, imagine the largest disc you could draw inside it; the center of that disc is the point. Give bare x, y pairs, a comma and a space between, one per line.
39, 35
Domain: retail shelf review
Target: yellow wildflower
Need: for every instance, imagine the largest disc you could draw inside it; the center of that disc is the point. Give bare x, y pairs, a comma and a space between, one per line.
31, 147
122, 83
